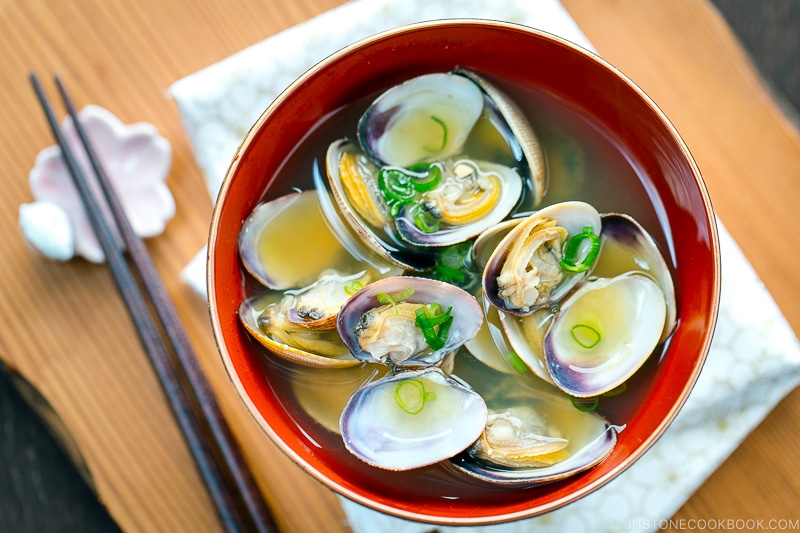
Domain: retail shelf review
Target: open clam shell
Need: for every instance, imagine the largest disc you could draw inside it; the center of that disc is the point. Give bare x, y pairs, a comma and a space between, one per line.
426, 118
375, 331
269, 237
317, 305
412, 419
499, 181
357, 213
604, 332
523, 272
265, 319
510, 121
536, 437
526, 336
628, 247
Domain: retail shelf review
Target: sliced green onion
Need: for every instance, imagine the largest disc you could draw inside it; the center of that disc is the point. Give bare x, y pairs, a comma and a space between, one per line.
585, 335
434, 309
353, 287
585, 404
410, 396
442, 125
400, 185
394, 298
517, 363
424, 176
423, 219
428, 322
395, 185
570, 260
452, 262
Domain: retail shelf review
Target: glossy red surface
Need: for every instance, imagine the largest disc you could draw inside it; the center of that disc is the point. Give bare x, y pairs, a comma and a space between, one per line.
610, 101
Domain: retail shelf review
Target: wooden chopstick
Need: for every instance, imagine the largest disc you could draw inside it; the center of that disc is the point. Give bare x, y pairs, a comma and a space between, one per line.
220, 463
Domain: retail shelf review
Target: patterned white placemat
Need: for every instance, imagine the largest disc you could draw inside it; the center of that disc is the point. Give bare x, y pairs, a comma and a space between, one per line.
754, 359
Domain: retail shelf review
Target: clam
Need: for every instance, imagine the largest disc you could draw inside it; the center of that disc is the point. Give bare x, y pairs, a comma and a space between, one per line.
317, 305
510, 121
400, 214
412, 419
471, 196
269, 237
628, 247
430, 118
352, 178
265, 318
536, 436
363, 252
604, 332
408, 321
427, 118
526, 336
525, 271
416, 179
518, 437
593, 329
492, 348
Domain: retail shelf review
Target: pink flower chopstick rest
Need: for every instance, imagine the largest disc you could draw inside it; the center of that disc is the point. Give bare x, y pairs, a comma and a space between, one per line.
136, 159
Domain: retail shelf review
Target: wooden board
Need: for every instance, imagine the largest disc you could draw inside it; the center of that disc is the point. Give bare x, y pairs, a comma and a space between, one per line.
66, 333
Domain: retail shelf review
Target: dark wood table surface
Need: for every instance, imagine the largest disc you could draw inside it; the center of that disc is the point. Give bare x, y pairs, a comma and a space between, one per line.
41, 490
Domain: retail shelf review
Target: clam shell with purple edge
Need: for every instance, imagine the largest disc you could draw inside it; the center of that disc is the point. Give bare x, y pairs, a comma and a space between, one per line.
572, 215
377, 429
466, 312
539, 412
604, 332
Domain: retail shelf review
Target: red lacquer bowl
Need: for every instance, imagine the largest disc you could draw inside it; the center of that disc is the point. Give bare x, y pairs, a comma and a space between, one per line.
659, 183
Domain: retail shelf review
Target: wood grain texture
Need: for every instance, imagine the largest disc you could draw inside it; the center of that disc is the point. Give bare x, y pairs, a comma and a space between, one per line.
66, 331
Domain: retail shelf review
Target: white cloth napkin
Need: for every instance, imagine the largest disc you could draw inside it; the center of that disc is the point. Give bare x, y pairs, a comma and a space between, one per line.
754, 359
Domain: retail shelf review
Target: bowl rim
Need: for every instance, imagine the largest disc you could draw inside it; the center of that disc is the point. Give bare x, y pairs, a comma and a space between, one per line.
420, 515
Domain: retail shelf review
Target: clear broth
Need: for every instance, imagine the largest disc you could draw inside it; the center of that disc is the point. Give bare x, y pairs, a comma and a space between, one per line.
584, 164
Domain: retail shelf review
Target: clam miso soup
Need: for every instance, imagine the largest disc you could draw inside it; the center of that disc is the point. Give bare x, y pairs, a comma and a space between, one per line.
456, 284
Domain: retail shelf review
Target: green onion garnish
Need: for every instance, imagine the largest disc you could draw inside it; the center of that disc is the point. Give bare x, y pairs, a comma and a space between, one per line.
394, 298
353, 287
517, 363
411, 396
395, 185
452, 264
423, 219
428, 318
424, 176
442, 125
570, 260
585, 335
585, 404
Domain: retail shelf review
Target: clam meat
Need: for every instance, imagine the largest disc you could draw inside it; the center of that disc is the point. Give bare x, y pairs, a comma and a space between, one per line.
265, 318
419, 176
533, 434
597, 326
529, 268
519, 438
408, 321
317, 305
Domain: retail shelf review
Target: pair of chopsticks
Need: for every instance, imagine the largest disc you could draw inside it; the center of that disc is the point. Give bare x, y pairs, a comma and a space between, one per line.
230, 484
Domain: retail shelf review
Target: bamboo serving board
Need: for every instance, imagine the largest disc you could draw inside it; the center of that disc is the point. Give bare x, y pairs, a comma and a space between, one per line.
65, 333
